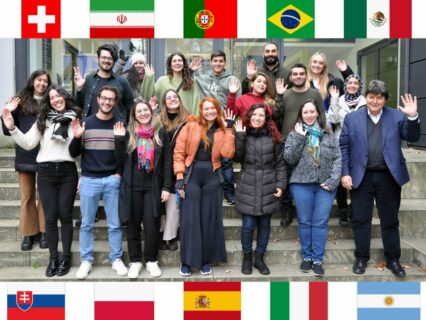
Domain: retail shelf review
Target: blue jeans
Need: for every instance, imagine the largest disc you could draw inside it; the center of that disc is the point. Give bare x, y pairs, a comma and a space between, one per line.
228, 176
263, 224
313, 205
91, 191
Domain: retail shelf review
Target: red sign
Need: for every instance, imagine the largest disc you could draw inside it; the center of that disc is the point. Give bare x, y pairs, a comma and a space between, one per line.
41, 19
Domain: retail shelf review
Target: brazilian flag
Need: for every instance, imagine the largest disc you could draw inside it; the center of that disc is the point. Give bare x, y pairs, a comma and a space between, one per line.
290, 18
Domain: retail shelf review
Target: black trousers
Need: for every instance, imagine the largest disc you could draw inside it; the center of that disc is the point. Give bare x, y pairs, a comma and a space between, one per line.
143, 213
57, 186
381, 186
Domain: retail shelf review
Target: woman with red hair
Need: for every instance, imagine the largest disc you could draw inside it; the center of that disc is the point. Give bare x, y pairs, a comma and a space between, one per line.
196, 162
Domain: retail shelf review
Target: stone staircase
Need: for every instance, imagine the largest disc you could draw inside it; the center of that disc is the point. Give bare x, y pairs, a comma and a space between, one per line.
283, 254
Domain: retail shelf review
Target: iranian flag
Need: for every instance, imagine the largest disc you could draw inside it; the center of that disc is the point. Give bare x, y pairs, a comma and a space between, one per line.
210, 18
121, 19
115, 300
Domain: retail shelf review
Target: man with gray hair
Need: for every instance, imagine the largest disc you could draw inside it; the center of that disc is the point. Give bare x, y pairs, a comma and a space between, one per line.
373, 168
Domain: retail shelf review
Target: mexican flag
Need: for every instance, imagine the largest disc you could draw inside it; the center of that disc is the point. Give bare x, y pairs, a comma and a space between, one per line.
121, 19
210, 18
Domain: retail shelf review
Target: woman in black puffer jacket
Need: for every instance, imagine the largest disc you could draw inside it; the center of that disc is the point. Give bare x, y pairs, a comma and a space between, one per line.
262, 181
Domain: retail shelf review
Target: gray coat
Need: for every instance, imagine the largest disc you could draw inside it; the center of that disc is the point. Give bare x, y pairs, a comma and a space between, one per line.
263, 170
301, 162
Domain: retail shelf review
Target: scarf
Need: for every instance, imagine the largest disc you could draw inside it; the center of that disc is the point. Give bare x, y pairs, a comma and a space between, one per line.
60, 123
313, 141
145, 149
352, 100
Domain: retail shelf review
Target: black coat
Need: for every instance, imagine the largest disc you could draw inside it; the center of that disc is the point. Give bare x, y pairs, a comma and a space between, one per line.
25, 160
161, 178
263, 170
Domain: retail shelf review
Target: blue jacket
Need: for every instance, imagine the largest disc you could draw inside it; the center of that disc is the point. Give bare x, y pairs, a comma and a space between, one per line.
354, 143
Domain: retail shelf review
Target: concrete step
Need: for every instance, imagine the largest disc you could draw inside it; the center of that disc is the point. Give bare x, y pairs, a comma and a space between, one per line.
280, 252
333, 272
9, 230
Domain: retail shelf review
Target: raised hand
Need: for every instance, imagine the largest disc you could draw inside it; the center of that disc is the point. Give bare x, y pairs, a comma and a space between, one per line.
153, 103
77, 128
234, 85
119, 129
195, 64
280, 87
8, 119
149, 69
299, 129
410, 105
334, 92
79, 80
251, 68
228, 115
239, 126
341, 65
12, 104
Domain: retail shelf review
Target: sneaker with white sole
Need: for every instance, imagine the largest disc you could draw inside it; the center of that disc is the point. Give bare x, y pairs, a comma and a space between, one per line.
185, 270
134, 269
153, 269
84, 270
119, 267
205, 269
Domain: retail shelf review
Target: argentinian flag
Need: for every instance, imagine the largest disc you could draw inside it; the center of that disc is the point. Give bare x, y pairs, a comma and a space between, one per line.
389, 300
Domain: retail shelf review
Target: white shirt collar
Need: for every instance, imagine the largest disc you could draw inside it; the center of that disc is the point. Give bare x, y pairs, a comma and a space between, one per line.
375, 118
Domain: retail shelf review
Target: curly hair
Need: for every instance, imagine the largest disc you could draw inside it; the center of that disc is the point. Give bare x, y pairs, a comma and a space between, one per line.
203, 122
70, 104
186, 74
28, 104
269, 123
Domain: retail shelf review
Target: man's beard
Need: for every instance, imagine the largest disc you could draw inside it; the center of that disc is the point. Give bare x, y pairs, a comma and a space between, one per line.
271, 60
299, 85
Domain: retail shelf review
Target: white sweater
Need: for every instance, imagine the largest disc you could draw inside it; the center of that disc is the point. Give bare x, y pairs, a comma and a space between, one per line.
339, 109
50, 149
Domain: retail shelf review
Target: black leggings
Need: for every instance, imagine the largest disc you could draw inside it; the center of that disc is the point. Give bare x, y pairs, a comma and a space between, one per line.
57, 186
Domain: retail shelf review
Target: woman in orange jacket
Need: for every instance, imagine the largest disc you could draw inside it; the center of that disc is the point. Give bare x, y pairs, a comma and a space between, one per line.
196, 162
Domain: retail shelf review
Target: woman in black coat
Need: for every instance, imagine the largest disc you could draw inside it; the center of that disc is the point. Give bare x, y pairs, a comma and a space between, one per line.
262, 181
144, 149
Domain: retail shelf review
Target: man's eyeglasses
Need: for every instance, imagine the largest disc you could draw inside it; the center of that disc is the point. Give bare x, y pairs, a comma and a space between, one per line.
105, 99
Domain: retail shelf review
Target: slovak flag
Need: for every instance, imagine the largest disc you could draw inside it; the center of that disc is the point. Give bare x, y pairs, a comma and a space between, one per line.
35, 301
41, 18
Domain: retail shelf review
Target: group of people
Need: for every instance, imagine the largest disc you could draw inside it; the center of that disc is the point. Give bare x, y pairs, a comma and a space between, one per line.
160, 154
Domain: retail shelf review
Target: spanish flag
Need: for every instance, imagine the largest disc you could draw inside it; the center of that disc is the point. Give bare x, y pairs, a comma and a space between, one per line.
212, 301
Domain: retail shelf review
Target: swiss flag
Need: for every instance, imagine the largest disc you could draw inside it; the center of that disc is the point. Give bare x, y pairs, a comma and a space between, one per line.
41, 18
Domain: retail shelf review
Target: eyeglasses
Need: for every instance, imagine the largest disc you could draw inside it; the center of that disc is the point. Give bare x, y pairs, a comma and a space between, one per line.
105, 99
106, 58
171, 97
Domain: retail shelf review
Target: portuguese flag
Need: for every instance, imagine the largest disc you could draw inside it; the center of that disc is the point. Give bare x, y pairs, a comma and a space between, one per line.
212, 301
121, 18
210, 18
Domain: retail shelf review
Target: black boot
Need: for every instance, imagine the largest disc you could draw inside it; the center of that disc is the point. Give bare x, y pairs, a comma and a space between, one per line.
260, 265
286, 217
52, 268
64, 267
27, 243
246, 267
43, 240
344, 217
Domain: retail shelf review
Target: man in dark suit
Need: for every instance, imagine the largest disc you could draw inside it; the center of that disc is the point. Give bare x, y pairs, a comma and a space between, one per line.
373, 168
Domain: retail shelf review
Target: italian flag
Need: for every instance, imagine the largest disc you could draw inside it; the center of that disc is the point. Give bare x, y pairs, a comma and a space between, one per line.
210, 18
212, 301
299, 300
121, 19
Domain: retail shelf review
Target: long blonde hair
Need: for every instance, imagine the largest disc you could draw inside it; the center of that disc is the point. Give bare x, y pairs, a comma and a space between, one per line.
134, 126
183, 113
323, 80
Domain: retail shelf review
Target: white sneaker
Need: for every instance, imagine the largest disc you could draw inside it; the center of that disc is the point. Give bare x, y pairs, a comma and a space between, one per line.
84, 270
119, 267
134, 269
153, 269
